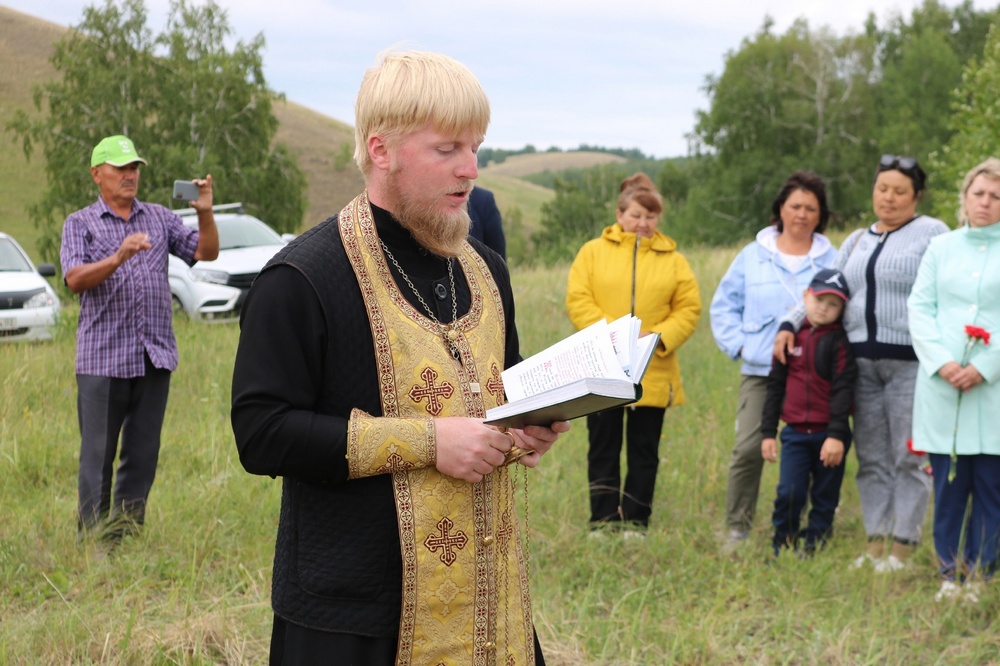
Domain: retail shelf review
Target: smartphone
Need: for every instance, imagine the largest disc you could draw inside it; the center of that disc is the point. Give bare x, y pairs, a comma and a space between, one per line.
185, 190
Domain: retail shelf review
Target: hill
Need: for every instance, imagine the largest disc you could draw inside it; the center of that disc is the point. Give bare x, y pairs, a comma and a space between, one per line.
315, 139
27, 44
519, 166
512, 192
320, 143
25, 49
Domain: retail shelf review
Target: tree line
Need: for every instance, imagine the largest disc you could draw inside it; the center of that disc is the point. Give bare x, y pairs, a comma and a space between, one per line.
925, 85
487, 155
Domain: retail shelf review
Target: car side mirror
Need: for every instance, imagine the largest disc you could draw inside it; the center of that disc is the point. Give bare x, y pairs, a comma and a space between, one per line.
46, 270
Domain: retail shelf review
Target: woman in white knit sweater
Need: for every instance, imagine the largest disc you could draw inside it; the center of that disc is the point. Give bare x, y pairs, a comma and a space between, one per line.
880, 264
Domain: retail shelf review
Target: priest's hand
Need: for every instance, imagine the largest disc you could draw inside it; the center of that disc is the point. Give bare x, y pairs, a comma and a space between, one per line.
537, 440
467, 449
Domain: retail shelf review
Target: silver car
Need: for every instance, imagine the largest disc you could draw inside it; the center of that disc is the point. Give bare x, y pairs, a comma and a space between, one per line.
29, 307
213, 291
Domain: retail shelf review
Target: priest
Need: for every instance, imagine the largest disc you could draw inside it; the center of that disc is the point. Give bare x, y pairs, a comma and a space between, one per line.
370, 349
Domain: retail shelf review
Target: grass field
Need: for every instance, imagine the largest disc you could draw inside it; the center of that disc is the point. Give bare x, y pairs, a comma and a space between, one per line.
194, 587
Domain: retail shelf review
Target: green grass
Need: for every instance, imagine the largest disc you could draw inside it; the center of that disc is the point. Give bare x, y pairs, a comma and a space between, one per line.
194, 587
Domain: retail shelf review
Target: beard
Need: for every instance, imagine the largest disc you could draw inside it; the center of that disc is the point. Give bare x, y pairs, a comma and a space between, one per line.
439, 232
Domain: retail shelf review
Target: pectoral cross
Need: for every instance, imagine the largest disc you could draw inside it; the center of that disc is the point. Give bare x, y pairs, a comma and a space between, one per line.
451, 337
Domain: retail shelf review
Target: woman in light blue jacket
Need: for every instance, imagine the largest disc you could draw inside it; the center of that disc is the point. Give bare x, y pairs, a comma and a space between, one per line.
958, 387
765, 282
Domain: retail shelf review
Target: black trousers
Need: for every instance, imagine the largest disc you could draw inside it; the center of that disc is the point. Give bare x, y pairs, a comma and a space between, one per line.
609, 502
294, 645
133, 408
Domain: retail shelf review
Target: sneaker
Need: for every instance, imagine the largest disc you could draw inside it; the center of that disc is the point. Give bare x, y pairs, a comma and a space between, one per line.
874, 553
597, 535
949, 590
890, 564
735, 540
633, 535
971, 592
862, 561
897, 558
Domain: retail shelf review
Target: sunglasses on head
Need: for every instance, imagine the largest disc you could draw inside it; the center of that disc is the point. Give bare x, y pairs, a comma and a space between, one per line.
889, 161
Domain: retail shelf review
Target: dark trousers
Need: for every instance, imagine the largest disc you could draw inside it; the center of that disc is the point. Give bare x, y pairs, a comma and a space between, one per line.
133, 408
294, 645
800, 465
977, 478
608, 502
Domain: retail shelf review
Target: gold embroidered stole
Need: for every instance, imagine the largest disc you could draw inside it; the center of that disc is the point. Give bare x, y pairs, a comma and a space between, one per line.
465, 585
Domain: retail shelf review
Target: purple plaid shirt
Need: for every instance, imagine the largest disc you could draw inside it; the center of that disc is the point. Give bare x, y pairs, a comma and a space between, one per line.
130, 313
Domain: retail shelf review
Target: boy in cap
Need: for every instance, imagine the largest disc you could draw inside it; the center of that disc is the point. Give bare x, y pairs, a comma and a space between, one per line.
114, 255
814, 395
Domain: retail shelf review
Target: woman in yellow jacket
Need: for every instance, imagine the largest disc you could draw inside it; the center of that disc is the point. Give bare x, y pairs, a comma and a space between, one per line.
633, 268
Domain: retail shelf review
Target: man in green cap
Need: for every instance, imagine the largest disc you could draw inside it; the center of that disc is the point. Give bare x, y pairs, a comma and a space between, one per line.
114, 255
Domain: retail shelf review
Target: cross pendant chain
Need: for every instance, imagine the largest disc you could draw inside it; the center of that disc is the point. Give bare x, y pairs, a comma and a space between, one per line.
449, 333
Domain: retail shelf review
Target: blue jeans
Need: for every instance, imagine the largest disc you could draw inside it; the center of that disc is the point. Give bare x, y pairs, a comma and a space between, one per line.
800, 464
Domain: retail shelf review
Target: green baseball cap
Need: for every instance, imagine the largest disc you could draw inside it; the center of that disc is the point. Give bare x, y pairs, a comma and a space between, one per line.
115, 150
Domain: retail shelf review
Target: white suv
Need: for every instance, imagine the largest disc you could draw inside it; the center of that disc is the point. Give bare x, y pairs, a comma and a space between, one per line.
215, 290
29, 307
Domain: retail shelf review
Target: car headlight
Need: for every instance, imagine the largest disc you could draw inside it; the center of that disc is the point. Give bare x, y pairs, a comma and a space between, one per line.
42, 299
202, 275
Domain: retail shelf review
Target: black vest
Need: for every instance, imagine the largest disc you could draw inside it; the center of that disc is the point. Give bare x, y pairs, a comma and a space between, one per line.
337, 563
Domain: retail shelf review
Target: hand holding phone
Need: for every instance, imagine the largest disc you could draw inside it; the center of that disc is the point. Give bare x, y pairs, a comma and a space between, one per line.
186, 190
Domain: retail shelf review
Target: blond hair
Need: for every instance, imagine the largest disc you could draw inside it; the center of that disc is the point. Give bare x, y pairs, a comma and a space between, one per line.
989, 168
409, 90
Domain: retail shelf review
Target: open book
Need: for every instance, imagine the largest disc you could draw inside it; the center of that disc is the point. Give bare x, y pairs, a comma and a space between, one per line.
592, 370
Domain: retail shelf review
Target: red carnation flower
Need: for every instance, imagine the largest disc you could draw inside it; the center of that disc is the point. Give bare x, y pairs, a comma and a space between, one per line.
978, 333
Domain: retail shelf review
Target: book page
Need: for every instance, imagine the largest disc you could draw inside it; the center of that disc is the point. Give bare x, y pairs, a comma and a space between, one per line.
587, 353
644, 347
623, 332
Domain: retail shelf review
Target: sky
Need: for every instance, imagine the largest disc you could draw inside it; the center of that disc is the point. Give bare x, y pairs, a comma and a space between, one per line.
558, 72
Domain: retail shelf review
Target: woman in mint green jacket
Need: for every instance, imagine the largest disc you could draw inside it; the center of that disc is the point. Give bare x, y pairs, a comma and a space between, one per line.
958, 388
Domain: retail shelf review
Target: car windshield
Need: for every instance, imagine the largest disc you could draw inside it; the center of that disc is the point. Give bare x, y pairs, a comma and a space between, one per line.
11, 258
240, 232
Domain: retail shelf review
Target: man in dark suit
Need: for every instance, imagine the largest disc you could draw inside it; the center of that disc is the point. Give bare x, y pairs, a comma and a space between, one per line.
486, 224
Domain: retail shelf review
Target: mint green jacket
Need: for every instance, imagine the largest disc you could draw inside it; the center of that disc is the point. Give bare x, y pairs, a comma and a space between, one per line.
958, 284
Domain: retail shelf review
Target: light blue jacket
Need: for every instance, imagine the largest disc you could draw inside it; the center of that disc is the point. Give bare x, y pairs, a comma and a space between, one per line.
958, 284
756, 291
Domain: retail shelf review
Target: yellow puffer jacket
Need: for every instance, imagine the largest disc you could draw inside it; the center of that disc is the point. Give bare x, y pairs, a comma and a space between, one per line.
666, 299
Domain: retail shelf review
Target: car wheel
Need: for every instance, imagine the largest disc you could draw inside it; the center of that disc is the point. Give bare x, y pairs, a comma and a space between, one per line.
178, 307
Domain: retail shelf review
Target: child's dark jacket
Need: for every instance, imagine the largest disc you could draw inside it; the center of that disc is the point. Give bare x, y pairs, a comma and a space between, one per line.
815, 390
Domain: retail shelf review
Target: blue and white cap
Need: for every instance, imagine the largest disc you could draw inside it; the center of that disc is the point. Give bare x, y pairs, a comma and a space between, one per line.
829, 281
